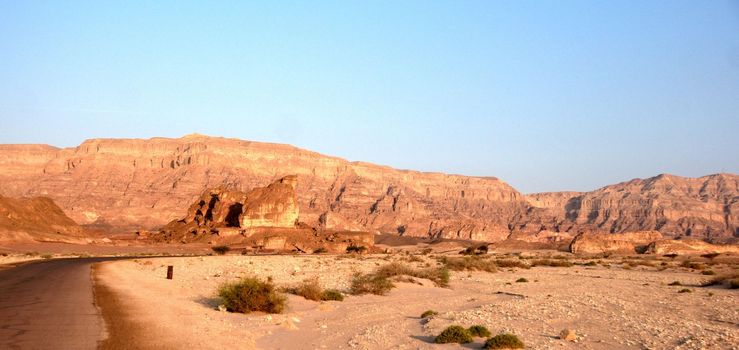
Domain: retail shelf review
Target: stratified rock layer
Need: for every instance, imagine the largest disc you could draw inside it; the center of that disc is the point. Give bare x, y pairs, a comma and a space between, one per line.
134, 183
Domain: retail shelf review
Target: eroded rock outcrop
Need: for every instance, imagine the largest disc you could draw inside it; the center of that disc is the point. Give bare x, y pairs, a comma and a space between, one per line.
264, 218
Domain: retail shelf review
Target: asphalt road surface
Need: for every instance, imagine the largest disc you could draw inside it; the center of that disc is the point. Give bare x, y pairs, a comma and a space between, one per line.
49, 305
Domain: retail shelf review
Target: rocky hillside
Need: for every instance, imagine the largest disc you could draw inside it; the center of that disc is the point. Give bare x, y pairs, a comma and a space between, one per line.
706, 207
35, 219
134, 183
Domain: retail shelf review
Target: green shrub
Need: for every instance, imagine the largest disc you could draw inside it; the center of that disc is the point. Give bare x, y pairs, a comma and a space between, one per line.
520, 280
370, 284
454, 334
479, 331
251, 294
429, 313
221, 249
503, 341
469, 263
332, 294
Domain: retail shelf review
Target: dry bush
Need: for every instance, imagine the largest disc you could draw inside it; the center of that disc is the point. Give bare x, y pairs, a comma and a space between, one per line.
440, 276
685, 290
221, 249
429, 313
454, 334
552, 263
522, 280
469, 263
332, 294
370, 284
479, 331
504, 341
512, 263
356, 249
692, 265
309, 289
251, 294
730, 281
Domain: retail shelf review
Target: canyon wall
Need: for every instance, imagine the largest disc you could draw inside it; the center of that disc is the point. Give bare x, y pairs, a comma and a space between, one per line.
126, 184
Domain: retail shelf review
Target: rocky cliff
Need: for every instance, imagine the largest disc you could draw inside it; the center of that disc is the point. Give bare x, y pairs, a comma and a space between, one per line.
705, 207
134, 183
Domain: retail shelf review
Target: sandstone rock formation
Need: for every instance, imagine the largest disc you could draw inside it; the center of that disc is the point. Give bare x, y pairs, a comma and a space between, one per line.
35, 219
263, 218
131, 184
625, 243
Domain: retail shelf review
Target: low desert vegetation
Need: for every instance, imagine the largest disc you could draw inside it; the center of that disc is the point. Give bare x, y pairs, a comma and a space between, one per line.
379, 282
675, 283
685, 290
311, 289
454, 334
522, 280
730, 281
320, 250
356, 249
552, 263
370, 284
479, 331
429, 313
252, 294
504, 341
692, 265
469, 263
221, 249
332, 294
512, 263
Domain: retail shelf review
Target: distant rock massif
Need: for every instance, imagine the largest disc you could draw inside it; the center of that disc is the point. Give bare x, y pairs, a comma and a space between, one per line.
128, 184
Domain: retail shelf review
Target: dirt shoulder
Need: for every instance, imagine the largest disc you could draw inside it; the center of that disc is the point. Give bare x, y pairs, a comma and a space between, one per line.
609, 307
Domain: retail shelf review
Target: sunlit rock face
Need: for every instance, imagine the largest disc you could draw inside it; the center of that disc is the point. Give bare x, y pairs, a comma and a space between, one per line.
125, 184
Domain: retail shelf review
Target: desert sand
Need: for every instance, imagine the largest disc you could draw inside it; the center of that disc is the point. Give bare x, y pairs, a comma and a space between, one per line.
614, 307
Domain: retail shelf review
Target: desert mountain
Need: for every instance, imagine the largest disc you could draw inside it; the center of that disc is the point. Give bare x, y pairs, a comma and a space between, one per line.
136, 183
35, 219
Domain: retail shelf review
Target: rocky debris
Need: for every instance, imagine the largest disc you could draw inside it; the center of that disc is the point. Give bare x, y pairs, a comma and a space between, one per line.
627, 243
143, 184
689, 246
38, 218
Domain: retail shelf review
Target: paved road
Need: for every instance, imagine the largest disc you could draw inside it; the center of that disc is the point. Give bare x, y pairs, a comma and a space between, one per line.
49, 305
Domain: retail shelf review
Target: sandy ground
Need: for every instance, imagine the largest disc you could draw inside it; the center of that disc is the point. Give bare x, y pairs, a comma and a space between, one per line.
610, 308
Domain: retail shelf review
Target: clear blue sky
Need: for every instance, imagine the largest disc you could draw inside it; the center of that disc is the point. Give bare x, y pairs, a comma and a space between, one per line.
546, 95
